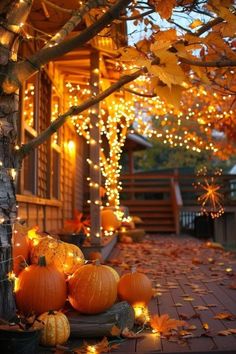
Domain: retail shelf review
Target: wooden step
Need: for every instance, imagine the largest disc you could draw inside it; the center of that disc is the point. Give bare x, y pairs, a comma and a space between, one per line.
155, 214
166, 221
146, 202
150, 229
146, 190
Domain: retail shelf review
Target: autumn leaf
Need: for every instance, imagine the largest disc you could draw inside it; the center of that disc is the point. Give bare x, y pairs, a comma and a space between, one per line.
163, 7
185, 334
164, 39
188, 298
167, 70
224, 316
126, 333
201, 308
164, 324
115, 331
227, 332
205, 326
195, 24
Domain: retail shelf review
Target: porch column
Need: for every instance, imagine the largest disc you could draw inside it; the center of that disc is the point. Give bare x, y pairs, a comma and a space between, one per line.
94, 152
131, 162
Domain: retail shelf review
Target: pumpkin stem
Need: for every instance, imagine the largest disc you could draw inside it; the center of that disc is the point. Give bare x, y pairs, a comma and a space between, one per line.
42, 261
97, 262
51, 312
133, 269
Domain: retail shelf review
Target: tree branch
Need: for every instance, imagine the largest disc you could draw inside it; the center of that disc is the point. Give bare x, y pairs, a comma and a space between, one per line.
140, 94
209, 64
206, 27
74, 21
136, 17
19, 72
75, 110
54, 6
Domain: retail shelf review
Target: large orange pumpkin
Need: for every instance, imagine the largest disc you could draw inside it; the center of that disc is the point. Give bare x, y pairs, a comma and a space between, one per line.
114, 272
135, 288
65, 256
109, 220
92, 289
40, 288
20, 247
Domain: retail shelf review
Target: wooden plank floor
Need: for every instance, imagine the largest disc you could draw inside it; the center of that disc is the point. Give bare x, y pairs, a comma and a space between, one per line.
192, 282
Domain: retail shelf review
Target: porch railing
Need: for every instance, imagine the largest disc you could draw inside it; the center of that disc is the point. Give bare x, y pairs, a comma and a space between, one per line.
184, 196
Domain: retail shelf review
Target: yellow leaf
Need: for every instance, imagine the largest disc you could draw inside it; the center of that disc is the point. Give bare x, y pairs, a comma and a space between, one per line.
164, 39
171, 95
195, 24
163, 7
129, 54
168, 70
205, 326
188, 298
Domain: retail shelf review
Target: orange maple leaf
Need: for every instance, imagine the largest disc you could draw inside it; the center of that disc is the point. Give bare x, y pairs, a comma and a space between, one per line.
164, 324
163, 7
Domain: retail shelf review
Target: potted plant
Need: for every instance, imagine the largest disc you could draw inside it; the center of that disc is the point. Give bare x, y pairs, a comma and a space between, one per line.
75, 230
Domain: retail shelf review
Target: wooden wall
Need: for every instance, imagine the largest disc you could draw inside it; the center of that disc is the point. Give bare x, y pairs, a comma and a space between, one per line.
38, 205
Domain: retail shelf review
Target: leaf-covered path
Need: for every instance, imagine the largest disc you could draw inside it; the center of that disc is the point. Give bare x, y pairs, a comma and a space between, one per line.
192, 281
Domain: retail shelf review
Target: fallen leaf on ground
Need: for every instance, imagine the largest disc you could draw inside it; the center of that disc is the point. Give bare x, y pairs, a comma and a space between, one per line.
115, 331
178, 304
201, 308
205, 326
224, 316
227, 332
185, 334
164, 324
126, 333
188, 298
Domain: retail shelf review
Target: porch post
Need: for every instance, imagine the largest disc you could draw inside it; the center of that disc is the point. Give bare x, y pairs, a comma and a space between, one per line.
94, 152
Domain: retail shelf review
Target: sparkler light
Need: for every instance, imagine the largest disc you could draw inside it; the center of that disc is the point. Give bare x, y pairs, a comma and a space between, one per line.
210, 199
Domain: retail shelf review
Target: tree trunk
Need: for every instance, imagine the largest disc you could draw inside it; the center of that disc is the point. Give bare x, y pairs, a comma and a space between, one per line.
7, 303
8, 109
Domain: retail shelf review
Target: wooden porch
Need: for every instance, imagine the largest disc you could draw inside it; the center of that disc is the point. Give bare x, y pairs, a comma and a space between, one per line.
167, 203
192, 282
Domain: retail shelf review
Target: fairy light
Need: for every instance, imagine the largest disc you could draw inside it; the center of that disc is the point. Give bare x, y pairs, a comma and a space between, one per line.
91, 349
211, 199
141, 314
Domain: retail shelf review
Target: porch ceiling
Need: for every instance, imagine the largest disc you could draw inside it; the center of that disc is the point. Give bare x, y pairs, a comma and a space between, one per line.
50, 19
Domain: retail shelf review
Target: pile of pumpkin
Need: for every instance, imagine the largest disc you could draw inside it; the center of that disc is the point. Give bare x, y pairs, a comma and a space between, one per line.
58, 272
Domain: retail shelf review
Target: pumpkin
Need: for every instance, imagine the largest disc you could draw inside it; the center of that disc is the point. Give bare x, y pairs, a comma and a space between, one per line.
20, 247
40, 288
126, 239
92, 289
135, 288
65, 256
114, 272
109, 220
55, 330
95, 255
